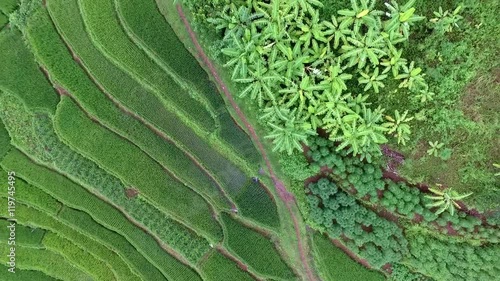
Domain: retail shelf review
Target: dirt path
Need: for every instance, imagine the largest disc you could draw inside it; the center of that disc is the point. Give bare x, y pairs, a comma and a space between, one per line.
284, 195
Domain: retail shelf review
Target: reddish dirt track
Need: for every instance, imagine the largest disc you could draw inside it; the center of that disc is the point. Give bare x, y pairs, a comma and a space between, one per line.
284, 195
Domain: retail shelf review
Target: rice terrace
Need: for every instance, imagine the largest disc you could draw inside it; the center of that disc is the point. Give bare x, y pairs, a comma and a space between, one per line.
233, 140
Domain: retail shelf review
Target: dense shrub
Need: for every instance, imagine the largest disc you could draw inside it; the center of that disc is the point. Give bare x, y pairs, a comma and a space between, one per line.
341, 216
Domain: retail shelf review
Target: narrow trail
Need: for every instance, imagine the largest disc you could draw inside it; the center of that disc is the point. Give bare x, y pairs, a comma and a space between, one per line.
284, 195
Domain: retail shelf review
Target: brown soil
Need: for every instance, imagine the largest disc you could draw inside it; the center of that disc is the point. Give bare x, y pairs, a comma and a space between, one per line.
131, 193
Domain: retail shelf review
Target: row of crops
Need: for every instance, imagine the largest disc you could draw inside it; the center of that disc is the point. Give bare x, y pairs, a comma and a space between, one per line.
128, 165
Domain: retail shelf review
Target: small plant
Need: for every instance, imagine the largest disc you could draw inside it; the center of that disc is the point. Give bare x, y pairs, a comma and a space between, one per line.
445, 200
435, 147
446, 20
498, 167
399, 125
374, 81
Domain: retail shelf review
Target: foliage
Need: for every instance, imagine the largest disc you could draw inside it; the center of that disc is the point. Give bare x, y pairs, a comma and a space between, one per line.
333, 264
446, 259
446, 200
295, 166
400, 272
254, 249
340, 215
366, 178
403, 200
291, 59
46, 261
445, 21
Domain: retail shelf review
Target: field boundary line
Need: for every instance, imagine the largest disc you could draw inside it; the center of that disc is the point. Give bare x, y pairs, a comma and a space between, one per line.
155, 57
151, 126
180, 113
169, 214
284, 195
82, 209
241, 265
103, 198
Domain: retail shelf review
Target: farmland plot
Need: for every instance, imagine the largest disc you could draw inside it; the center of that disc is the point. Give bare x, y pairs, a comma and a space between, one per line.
152, 261
128, 172
102, 23
217, 267
254, 249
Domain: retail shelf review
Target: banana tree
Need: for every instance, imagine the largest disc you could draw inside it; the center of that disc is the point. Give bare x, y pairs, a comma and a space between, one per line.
302, 95
336, 79
338, 31
362, 13
311, 29
234, 21
399, 125
412, 78
394, 62
445, 200
244, 52
287, 136
261, 84
374, 81
401, 17
370, 46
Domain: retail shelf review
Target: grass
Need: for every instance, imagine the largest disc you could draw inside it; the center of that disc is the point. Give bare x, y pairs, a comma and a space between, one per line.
105, 30
217, 267
3, 20
183, 65
254, 202
95, 257
255, 250
230, 177
150, 258
19, 73
334, 265
8, 6
28, 236
152, 40
66, 160
463, 115
123, 159
4, 140
50, 263
79, 257
58, 233
25, 274
83, 223
70, 25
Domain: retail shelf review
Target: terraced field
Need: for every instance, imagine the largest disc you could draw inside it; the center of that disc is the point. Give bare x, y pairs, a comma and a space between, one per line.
128, 165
